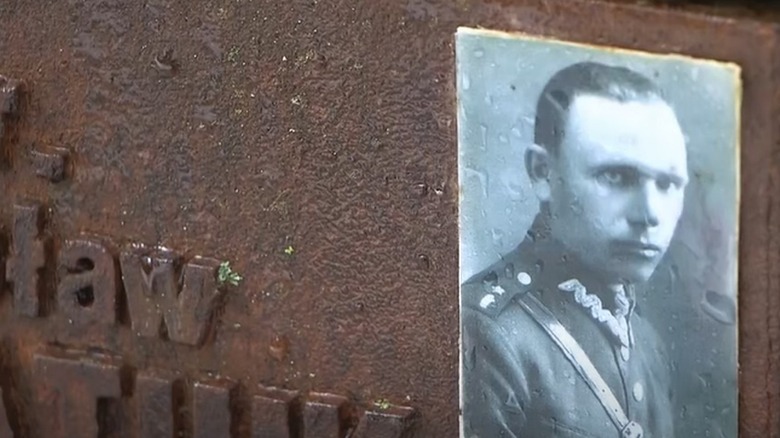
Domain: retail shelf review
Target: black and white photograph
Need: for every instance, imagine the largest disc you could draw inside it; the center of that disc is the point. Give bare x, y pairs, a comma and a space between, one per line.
598, 214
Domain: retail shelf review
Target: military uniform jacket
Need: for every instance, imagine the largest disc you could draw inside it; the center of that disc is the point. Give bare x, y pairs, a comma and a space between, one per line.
518, 383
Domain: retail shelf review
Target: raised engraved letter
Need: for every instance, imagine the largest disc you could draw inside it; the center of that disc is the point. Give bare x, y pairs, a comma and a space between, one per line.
211, 409
153, 294
87, 287
390, 422
51, 164
69, 394
155, 401
271, 411
27, 257
322, 415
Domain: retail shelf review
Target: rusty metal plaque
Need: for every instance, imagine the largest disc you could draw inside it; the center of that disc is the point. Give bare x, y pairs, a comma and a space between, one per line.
240, 218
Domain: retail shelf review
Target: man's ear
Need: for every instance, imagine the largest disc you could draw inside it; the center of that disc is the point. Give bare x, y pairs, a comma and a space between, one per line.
537, 164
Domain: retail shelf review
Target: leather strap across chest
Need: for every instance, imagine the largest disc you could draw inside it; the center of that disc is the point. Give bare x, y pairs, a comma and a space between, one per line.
582, 363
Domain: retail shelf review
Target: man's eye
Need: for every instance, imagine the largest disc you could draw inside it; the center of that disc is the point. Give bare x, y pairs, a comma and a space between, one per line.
613, 177
618, 177
663, 183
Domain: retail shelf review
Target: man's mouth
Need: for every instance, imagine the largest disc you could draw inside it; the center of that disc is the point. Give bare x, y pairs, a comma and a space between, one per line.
635, 249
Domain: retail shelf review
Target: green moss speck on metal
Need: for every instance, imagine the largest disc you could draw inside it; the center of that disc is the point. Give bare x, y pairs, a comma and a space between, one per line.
226, 274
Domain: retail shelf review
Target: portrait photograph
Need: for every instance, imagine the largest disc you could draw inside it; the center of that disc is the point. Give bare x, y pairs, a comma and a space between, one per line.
598, 213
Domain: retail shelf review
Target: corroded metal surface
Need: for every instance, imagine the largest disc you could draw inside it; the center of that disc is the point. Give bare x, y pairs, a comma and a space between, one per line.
311, 144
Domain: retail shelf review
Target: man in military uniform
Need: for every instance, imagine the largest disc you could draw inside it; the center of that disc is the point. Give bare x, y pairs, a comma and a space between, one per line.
554, 344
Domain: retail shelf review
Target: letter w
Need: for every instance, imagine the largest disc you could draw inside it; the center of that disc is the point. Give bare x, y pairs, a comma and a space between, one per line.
158, 294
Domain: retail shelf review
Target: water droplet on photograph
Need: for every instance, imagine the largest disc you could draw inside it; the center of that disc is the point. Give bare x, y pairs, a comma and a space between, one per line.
720, 307
509, 270
498, 236
705, 380
684, 411
470, 358
482, 176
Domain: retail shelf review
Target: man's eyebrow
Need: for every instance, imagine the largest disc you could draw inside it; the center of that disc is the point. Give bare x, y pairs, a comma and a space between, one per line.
641, 169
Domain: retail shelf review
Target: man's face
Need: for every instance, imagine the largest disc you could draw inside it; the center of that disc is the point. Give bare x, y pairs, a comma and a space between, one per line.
617, 185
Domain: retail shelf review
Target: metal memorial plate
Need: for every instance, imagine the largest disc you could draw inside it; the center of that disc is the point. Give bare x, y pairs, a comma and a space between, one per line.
241, 218
599, 235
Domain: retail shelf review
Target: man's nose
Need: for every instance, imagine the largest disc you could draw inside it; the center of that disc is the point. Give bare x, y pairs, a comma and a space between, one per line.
646, 207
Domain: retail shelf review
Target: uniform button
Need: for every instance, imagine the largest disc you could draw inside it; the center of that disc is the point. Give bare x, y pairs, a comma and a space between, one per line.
524, 278
487, 301
639, 392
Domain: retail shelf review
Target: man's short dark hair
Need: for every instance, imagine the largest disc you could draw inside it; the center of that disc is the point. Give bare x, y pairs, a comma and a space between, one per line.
618, 83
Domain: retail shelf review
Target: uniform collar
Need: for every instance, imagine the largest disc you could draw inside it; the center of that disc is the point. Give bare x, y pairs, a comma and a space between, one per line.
555, 264
561, 276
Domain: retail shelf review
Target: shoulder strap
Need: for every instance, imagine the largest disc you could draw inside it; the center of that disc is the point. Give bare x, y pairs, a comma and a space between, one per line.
581, 362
